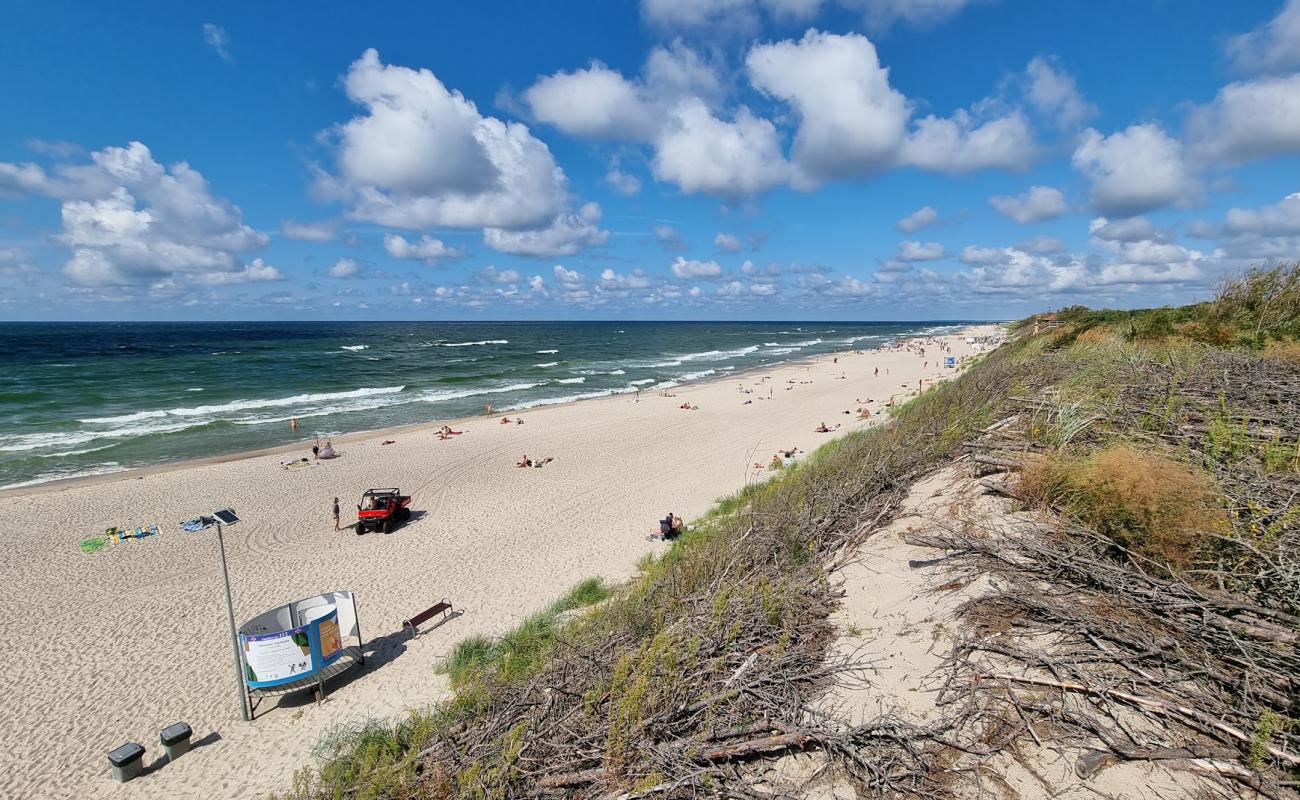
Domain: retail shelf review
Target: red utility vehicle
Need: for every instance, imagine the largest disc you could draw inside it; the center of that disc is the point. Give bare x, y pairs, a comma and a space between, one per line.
382, 510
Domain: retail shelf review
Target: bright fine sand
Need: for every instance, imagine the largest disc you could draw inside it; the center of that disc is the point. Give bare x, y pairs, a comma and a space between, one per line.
107, 647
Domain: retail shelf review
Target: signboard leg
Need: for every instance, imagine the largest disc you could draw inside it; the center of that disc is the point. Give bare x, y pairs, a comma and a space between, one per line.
361, 643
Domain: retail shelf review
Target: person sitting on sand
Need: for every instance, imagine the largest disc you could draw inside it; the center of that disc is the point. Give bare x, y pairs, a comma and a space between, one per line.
519, 420
822, 428
524, 462
670, 527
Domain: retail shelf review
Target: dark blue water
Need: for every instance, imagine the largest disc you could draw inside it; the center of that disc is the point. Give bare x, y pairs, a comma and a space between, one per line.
86, 398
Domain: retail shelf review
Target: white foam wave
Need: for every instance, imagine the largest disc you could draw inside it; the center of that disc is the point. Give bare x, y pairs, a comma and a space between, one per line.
242, 405
355, 347
81, 452
572, 380
569, 398
547, 364
103, 469
694, 376
643, 382
195, 389
370, 404
719, 355
546, 352
37, 441
472, 344
675, 360
808, 343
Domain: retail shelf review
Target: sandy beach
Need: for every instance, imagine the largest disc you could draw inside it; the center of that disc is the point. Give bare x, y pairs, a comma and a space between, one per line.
111, 646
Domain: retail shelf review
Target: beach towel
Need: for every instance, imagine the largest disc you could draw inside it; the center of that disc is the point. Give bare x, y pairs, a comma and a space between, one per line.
197, 524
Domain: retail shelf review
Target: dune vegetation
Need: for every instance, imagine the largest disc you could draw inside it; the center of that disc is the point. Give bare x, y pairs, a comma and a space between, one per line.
1161, 448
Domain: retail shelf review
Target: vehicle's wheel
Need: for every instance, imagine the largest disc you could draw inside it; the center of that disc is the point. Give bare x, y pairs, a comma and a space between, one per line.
406, 514
360, 529
388, 525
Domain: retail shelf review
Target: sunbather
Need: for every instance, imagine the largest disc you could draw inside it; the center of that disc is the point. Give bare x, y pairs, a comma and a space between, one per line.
524, 462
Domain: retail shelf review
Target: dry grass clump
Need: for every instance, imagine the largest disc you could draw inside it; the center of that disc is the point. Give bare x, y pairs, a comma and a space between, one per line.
1144, 502
1286, 352
1099, 335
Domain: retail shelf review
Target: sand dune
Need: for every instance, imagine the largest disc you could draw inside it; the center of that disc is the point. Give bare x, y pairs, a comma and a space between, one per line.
111, 646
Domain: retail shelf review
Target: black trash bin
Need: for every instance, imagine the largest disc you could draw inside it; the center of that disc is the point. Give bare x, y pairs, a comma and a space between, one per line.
126, 761
176, 740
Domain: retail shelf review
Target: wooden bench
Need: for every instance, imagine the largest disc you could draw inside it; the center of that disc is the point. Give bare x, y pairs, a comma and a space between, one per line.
441, 607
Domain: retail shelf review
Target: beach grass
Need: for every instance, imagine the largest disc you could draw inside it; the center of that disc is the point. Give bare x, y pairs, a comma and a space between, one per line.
1108, 396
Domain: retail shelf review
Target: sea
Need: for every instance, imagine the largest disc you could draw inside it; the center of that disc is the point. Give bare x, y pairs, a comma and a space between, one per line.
81, 399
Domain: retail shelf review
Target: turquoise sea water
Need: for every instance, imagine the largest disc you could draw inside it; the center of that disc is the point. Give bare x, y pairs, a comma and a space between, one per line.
88, 398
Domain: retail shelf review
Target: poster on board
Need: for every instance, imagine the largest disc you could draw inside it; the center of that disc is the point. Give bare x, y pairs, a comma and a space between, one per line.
279, 657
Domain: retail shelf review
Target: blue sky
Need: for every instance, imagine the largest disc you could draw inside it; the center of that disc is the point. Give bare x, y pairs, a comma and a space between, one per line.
661, 159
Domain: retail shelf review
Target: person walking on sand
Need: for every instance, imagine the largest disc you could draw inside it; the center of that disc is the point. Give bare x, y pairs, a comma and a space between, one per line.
336, 514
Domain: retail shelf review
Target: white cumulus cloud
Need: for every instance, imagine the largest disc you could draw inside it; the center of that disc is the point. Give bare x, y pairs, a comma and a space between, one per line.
1273, 47
691, 270
343, 268
421, 155
923, 217
1055, 94
568, 233
1248, 120
702, 153
1134, 170
852, 121
1036, 204
128, 219
426, 249
920, 251
727, 243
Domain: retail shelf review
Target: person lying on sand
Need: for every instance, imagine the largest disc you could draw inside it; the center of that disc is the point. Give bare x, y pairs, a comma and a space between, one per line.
822, 428
505, 420
524, 462
543, 462
388, 441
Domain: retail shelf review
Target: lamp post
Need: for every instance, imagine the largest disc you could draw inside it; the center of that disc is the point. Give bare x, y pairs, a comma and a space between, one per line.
228, 517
